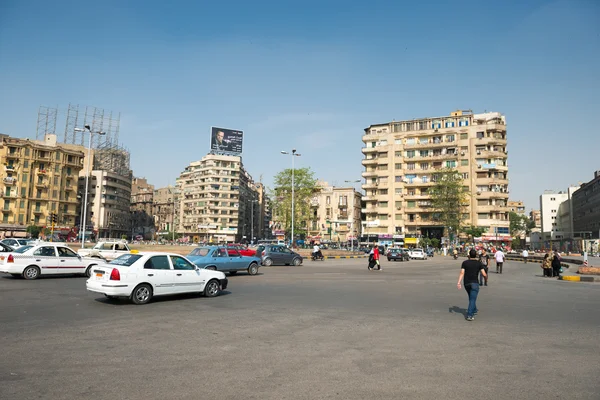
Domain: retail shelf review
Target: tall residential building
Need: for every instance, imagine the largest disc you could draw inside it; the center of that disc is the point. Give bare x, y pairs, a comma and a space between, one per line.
401, 160
38, 178
164, 210
536, 217
516, 206
586, 209
334, 214
265, 215
142, 208
216, 195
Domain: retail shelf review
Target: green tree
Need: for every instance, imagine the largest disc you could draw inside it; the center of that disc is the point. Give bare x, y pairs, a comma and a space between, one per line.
34, 231
449, 198
474, 231
305, 185
520, 224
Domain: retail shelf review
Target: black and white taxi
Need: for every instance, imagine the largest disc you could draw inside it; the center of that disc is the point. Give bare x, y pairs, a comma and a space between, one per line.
31, 262
141, 276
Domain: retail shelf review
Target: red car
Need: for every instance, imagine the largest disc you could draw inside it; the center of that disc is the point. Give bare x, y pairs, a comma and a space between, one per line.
241, 249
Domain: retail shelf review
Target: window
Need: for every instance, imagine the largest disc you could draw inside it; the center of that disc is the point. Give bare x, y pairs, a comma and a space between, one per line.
483, 216
451, 164
383, 204
480, 135
27, 151
423, 140
424, 179
54, 194
464, 163
180, 263
21, 218
410, 204
26, 164
398, 203
449, 124
424, 153
24, 180
464, 136
410, 166
397, 154
410, 153
156, 262
328, 200
398, 141
57, 156
398, 217
410, 141
424, 165
450, 138
66, 252
465, 175
383, 217
463, 122
398, 166
398, 178
45, 251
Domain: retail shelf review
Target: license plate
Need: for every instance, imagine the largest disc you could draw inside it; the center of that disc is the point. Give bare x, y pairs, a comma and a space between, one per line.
99, 276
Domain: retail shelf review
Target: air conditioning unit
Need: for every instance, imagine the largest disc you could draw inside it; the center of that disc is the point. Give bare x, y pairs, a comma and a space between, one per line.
479, 166
478, 152
462, 153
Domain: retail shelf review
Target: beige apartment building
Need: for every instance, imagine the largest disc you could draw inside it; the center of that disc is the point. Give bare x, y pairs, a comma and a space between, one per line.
218, 201
38, 178
163, 210
516, 206
401, 159
334, 214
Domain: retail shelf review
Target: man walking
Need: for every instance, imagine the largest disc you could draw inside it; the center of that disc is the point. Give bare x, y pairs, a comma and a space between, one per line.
525, 255
484, 259
469, 271
499, 256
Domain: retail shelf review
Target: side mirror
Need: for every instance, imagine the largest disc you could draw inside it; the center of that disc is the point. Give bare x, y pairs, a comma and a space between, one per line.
79, 257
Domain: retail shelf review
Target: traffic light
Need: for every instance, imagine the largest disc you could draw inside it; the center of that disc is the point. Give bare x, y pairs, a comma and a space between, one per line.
54, 218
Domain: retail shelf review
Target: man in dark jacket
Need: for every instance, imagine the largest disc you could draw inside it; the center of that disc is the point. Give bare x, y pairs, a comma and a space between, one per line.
469, 272
556, 265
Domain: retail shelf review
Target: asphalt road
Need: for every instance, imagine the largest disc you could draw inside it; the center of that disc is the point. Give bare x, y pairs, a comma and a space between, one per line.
326, 330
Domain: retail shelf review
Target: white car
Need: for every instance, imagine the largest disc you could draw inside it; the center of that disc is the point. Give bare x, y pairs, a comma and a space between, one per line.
141, 276
417, 253
107, 250
16, 243
45, 259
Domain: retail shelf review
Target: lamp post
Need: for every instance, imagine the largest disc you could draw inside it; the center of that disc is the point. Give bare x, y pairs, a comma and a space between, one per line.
293, 154
252, 222
87, 178
352, 219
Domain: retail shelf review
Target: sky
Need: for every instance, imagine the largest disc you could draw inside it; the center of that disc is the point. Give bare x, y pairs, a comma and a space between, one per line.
310, 75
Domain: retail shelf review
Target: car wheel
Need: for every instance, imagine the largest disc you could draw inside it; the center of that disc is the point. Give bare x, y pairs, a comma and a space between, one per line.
141, 294
88, 271
268, 262
232, 272
31, 272
389, 259
212, 288
253, 269
297, 261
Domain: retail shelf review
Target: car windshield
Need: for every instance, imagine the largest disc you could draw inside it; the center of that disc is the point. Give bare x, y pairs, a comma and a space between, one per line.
98, 246
200, 251
22, 249
126, 260
23, 242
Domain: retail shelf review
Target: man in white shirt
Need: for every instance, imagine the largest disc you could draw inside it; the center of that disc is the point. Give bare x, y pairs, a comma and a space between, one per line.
499, 256
525, 255
316, 250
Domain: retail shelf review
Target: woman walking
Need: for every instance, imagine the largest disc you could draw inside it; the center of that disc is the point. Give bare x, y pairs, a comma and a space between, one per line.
374, 258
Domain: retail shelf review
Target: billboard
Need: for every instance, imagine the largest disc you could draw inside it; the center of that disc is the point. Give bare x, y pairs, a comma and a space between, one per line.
226, 140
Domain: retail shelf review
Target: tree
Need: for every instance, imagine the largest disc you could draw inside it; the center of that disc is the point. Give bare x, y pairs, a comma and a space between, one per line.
520, 224
474, 231
305, 185
34, 231
449, 198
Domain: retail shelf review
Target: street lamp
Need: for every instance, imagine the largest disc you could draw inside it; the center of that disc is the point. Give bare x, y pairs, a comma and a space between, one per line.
252, 222
293, 154
87, 178
352, 219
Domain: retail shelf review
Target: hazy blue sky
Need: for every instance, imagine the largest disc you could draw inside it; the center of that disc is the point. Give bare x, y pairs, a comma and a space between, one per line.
311, 75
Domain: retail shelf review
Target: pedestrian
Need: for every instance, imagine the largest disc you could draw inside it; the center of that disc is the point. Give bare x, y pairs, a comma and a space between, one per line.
469, 271
374, 258
547, 265
484, 259
556, 264
499, 256
525, 255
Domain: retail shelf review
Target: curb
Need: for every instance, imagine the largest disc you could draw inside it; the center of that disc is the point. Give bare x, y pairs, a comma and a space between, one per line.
342, 257
574, 278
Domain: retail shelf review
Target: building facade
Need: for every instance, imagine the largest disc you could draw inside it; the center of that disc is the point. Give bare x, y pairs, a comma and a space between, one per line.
163, 211
516, 206
335, 214
586, 209
142, 209
536, 217
265, 214
556, 209
216, 200
401, 159
39, 178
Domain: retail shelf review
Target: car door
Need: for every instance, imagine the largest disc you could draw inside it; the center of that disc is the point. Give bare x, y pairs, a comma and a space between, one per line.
276, 255
236, 261
187, 279
69, 262
45, 258
158, 271
221, 256
286, 255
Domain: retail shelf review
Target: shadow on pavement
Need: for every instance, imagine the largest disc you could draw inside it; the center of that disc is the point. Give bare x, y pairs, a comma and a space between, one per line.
458, 310
123, 301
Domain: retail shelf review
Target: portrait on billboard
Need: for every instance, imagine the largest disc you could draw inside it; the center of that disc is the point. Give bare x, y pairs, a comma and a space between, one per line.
226, 140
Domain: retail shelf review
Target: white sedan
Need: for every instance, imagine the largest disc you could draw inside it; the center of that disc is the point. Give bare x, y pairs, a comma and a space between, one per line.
141, 276
417, 253
31, 262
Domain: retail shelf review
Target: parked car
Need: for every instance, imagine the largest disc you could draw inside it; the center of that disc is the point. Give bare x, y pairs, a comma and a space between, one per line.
396, 254
4, 248
141, 276
275, 254
45, 259
430, 252
243, 250
16, 243
418, 254
106, 250
221, 258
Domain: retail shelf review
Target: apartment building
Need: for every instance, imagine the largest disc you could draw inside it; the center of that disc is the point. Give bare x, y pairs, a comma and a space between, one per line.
401, 159
516, 206
586, 209
536, 217
265, 213
216, 200
335, 214
142, 195
38, 178
163, 210
556, 209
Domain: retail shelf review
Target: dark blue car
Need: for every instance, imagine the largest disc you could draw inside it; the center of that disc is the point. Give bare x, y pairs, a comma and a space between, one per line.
224, 259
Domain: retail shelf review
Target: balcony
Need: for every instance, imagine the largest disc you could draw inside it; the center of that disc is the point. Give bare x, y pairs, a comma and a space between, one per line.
38, 211
42, 171
12, 195
491, 181
370, 185
492, 195
41, 184
370, 173
9, 180
10, 168
490, 154
494, 127
366, 150
370, 161
369, 210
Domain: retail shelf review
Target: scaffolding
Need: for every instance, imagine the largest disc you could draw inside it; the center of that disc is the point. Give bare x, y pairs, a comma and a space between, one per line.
98, 119
46, 122
111, 157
